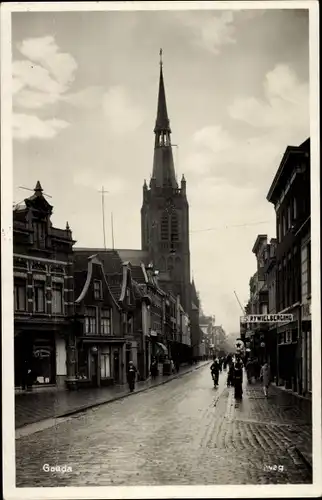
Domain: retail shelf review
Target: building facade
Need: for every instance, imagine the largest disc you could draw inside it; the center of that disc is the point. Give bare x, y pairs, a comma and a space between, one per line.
290, 195
99, 329
270, 278
44, 346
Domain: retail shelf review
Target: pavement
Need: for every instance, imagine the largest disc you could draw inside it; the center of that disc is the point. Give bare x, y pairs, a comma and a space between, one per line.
34, 407
185, 432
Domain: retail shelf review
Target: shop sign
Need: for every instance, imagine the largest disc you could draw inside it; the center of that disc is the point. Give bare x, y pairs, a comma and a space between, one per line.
42, 353
267, 318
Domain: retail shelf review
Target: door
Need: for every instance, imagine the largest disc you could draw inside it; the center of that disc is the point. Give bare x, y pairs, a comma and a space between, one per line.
93, 358
116, 366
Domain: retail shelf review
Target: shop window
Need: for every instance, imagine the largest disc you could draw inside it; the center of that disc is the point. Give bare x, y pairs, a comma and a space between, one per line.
98, 291
90, 320
43, 362
106, 322
39, 296
105, 363
57, 298
82, 363
20, 295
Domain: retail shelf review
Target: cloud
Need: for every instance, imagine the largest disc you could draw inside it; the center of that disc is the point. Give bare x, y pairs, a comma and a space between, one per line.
250, 156
122, 114
285, 103
30, 127
62, 66
38, 81
87, 98
212, 32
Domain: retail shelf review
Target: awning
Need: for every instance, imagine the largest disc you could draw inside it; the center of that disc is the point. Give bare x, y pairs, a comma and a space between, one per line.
161, 348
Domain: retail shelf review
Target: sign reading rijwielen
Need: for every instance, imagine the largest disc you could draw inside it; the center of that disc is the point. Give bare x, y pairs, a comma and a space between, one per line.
267, 318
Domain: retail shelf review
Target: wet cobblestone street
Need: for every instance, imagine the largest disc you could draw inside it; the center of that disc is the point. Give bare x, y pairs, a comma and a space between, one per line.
181, 433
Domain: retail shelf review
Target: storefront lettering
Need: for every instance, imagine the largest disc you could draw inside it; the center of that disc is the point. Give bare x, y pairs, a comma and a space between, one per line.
42, 353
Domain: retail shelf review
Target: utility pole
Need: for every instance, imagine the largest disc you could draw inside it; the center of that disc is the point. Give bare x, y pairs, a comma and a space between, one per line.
112, 226
239, 303
103, 192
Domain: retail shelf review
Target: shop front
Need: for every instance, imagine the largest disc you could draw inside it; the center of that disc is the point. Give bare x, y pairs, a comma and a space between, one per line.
100, 363
289, 353
35, 359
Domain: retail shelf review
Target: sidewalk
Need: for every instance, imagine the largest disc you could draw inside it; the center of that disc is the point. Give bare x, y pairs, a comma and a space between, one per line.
297, 411
35, 407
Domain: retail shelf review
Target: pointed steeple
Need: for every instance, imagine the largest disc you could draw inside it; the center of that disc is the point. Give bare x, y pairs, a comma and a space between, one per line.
162, 123
163, 166
38, 189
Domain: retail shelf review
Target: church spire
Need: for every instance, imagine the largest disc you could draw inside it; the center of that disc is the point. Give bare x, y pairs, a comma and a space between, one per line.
162, 123
163, 174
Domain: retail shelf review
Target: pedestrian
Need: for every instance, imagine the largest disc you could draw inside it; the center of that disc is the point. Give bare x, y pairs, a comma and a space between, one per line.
172, 368
177, 363
265, 376
215, 368
230, 377
154, 368
238, 379
131, 376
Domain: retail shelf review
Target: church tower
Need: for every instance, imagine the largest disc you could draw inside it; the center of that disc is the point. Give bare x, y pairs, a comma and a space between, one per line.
165, 211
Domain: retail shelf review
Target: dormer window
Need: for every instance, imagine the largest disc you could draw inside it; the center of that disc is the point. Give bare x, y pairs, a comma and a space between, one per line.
98, 290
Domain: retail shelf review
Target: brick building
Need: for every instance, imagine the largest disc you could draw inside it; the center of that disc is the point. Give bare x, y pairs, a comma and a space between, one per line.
44, 347
270, 278
100, 336
290, 195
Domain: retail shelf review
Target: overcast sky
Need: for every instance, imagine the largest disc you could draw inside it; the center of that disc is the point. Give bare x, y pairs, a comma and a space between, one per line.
85, 96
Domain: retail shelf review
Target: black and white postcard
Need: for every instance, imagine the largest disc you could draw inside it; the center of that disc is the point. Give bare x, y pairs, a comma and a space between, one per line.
160, 234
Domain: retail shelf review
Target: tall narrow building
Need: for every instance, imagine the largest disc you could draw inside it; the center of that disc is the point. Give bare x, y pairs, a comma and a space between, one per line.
165, 212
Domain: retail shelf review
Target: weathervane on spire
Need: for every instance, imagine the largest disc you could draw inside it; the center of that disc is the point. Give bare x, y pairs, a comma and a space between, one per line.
161, 62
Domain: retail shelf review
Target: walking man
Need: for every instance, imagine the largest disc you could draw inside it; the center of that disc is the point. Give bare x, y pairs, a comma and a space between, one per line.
265, 377
131, 376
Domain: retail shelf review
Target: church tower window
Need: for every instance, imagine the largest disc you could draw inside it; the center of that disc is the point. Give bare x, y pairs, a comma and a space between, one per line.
165, 227
174, 227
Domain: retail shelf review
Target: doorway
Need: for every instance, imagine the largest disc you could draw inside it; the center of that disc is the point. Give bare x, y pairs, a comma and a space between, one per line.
116, 367
93, 365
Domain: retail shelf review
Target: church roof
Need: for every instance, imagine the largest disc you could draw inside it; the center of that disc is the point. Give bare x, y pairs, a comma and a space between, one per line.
135, 257
163, 173
194, 295
162, 121
110, 259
